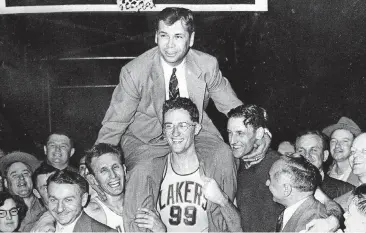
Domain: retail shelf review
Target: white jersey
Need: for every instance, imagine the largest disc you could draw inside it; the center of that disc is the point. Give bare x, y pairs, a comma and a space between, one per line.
114, 220
181, 203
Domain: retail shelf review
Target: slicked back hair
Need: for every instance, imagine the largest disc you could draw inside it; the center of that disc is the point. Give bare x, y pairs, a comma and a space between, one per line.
100, 149
61, 133
43, 169
69, 177
359, 198
182, 103
253, 115
323, 137
303, 175
170, 15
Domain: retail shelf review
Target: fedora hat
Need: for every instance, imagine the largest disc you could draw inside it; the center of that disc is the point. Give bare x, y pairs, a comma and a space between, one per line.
343, 123
18, 156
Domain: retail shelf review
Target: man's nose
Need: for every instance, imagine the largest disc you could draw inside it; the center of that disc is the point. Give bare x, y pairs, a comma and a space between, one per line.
8, 216
232, 139
171, 42
175, 130
60, 207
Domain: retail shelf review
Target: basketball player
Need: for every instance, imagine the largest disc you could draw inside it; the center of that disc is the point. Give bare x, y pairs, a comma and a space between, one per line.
187, 197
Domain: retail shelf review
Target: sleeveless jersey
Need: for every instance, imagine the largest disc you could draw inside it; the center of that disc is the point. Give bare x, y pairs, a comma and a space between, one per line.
114, 220
181, 203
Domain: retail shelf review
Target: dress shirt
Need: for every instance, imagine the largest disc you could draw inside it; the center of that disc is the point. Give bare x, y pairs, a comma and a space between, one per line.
289, 211
67, 228
181, 76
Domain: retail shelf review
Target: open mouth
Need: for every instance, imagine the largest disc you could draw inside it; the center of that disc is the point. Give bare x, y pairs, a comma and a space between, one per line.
114, 184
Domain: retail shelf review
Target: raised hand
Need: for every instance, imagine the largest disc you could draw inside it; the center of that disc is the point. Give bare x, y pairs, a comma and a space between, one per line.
211, 190
149, 219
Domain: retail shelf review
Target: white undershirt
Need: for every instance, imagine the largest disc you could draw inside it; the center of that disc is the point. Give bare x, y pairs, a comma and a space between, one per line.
181, 76
67, 228
289, 211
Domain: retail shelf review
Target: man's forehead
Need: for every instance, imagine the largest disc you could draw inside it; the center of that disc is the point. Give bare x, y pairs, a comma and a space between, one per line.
58, 138
179, 24
342, 134
18, 166
309, 140
237, 124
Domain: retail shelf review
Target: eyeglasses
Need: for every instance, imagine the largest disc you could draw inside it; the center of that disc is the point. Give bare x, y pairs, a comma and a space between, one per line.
182, 126
13, 212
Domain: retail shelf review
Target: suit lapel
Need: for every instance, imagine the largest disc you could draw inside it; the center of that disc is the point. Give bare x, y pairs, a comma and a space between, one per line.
195, 86
158, 88
83, 224
293, 221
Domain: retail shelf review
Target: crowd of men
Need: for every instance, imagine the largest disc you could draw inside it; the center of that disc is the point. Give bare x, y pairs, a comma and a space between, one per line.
159, 164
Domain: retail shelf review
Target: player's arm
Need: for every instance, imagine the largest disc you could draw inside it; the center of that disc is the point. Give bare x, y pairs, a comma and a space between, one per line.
124, 102
149, 219
213, 193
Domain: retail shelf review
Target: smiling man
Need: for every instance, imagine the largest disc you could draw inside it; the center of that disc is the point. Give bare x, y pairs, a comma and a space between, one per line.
134, 118
67, 195
58, 150
189, 201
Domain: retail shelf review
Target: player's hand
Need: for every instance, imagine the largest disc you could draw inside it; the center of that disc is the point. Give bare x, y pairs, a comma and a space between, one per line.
260, 149
46, 223
96, 187
330, 224
149, 219
211, 190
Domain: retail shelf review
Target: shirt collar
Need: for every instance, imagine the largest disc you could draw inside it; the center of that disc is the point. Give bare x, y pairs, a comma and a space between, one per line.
289, 211
69, 227
168, 68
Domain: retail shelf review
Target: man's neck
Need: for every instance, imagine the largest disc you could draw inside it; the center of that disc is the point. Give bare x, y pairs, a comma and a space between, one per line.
295, 198
29, 200
362, 178
186, 162
340, 167
59, 167
115, 203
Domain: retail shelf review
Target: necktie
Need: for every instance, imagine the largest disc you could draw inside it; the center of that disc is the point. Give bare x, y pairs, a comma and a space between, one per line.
173, 86
279, 222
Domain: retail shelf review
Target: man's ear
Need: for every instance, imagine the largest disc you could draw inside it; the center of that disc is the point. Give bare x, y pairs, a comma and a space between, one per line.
259, 133
326, 155
156, 37
84, 199
287, 189
45, 150
6, 183
36, 193
197, 128
191, 40
72, 152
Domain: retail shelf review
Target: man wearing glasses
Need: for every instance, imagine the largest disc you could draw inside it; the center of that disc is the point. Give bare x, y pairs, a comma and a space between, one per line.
192, 195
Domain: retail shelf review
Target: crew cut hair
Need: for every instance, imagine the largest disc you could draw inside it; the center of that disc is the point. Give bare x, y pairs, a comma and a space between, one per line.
170, 15
100, 149
253, 115
182, 103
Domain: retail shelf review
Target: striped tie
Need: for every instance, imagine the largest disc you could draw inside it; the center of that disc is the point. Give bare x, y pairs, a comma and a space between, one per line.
173, 86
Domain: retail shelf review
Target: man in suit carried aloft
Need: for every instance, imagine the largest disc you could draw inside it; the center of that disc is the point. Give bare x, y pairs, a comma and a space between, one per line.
135, 120
293, 182
67, 194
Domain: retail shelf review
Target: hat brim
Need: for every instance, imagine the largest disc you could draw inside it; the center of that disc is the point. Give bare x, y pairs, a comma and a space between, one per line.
330, 129
25, 158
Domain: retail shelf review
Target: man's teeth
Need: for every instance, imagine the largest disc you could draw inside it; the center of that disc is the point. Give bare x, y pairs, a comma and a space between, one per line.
114, 184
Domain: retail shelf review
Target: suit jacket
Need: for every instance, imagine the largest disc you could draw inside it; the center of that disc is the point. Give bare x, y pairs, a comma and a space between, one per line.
137, 101
307, 211
88, 224
334, 188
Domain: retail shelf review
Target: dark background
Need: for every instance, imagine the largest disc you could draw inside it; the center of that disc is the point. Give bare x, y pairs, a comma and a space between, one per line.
303, 61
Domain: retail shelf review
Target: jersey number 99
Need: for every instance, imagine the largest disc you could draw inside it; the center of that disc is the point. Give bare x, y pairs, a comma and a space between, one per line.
176, 215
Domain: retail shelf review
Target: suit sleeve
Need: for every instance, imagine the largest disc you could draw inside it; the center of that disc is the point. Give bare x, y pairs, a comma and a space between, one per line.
221, 91
121, 111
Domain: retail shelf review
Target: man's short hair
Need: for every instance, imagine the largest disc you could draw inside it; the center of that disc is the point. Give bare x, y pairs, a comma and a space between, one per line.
322, 136
44, 169
100, 149
303, 175
61, 133
359, 198
69, 177
182, 103
170, 15
253, 115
